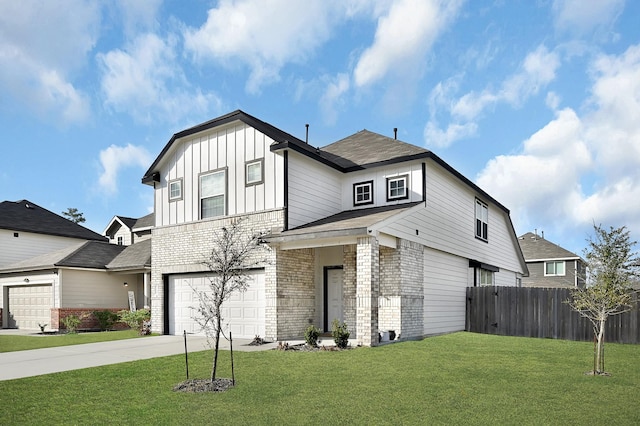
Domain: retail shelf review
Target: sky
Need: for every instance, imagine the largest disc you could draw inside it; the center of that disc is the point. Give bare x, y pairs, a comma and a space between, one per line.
536, 101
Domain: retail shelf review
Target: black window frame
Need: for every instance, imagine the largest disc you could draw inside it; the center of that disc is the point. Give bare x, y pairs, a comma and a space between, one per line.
356, 185
390, 179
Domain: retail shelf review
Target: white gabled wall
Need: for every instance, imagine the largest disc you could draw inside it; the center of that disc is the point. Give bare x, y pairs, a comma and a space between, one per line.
379, 177
447, 223
227, 147
315, 190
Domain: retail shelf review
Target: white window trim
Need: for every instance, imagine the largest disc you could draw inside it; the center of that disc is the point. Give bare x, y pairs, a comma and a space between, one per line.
355, 193
172, 182
259, 161
555, 262
490, 273
224, 193
484, 208
404, 196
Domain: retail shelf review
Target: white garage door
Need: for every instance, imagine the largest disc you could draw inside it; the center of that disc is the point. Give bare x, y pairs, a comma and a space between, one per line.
243, 314
29, 306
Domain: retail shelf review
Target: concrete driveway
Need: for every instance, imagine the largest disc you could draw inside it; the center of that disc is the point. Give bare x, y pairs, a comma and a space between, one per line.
15, 365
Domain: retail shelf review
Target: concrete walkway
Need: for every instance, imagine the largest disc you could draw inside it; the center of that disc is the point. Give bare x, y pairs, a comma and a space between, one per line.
35, 362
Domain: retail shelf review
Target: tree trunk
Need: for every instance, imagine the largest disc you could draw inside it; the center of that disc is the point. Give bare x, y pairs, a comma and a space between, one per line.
600, 348
215, 350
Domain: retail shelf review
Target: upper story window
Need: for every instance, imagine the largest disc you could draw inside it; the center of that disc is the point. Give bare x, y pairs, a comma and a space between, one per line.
397, 188
254, 172
482, 220
175, 190
554, 268
213, 194
363, 193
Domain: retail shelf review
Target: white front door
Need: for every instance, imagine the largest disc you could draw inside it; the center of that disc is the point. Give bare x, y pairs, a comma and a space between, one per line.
334, 296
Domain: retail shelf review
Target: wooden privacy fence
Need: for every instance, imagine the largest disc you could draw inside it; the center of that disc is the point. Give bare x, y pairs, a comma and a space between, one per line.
541, 312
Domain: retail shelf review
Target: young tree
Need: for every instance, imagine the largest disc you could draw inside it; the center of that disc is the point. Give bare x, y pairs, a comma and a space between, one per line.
235, 252
611, 268
74, 215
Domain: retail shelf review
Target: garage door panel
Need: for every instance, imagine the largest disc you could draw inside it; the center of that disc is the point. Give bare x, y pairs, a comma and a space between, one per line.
243, 313
30, 306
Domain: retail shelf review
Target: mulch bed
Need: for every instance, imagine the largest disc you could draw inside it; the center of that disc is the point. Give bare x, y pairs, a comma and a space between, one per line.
203, 385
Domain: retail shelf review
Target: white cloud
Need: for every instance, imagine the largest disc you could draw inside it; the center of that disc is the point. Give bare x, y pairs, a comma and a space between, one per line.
42, 46
580, 170
580, 18
403, 37
332, 100
146, 81
263, 35
115, 158
537, 70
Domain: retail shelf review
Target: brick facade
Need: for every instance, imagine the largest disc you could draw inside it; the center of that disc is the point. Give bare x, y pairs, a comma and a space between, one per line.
89, 321
367, 290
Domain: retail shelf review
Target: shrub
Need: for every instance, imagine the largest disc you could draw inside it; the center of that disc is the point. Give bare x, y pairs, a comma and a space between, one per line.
311, 335
340, 333
106, 319
137, 320
71, 323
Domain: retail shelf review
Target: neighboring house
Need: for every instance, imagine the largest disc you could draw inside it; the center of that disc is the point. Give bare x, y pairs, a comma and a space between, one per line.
549, 264
28, 230
73, 276
126, 230
378, 233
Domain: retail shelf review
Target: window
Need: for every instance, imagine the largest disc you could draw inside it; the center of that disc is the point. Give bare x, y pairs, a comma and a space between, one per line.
254, 172
486, 277
397, 188
213, 194
482, 220
120, 241
175, 190
555, 268
363, 193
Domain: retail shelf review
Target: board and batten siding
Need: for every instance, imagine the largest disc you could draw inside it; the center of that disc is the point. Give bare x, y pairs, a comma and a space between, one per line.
447, 223
28, 244
229, 148
379, 177
314, 190
98, 289
445, 282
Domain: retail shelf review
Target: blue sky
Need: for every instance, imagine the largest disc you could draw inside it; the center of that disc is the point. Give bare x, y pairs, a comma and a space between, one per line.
537, 101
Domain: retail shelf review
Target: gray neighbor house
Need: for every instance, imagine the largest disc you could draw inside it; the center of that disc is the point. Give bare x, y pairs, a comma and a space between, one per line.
549, 264
378, 233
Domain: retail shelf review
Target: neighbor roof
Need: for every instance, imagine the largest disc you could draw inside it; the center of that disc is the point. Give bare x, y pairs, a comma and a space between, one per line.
88, 254
144, 222
535, 247
135, 256
26, 216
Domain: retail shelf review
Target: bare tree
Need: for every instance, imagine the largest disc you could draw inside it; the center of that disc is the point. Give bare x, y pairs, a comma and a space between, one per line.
235, 252
74, 215
611, 268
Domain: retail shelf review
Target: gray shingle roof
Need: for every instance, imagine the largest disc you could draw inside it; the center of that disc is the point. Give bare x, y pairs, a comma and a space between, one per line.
535, 247
128, 221
147, 221
365, 148
88, 254
29, 217
135, 256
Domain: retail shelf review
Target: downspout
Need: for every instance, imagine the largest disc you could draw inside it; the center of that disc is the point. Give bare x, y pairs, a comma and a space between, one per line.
424, 183
286, 190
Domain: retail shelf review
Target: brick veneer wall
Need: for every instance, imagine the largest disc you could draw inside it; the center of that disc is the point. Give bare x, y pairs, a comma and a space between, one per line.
295, 295
180, 249
349, 289
412, 298
367, 290
89, 322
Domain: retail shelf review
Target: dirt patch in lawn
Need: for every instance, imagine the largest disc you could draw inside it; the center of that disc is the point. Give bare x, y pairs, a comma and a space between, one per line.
203, 385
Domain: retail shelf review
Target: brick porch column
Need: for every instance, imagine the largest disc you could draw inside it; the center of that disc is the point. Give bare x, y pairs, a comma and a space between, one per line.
367, 291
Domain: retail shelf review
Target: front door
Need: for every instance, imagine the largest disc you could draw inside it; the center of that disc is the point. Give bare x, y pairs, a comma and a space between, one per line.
333, 278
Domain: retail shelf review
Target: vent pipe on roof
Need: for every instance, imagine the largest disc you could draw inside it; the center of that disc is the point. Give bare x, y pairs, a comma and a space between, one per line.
395, 133
542, 232
307, 137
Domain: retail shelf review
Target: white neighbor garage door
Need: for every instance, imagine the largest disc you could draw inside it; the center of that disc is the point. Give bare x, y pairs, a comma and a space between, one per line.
29, 306
243, 313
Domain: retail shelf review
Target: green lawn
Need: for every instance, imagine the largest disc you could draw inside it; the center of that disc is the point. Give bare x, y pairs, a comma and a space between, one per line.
462, 378
11, 343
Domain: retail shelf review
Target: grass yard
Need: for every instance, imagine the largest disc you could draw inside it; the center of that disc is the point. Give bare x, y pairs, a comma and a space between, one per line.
461, 378
11, 343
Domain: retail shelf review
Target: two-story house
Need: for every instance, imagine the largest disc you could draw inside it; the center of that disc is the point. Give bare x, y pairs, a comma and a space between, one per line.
549, 264
126, 231
379, 233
